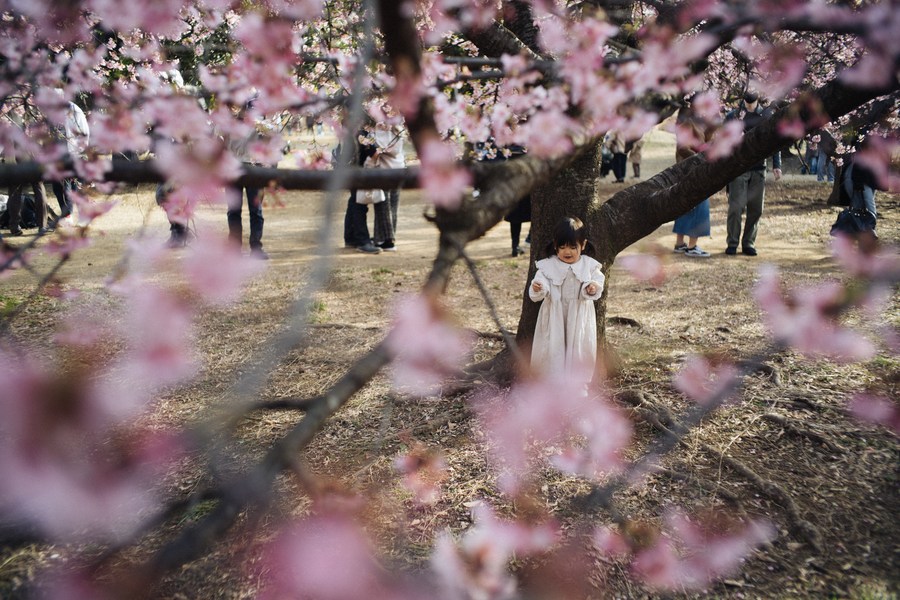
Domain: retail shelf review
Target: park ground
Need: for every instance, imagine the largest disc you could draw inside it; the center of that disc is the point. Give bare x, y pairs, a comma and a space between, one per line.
794, 456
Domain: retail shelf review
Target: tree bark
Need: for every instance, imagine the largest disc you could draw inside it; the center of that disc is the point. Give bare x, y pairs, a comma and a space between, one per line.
572, 192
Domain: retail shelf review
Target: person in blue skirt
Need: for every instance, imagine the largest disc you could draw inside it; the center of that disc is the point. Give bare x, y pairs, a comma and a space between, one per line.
694, 223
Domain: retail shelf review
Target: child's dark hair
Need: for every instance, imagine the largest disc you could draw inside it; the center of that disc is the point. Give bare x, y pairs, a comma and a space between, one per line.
569, 231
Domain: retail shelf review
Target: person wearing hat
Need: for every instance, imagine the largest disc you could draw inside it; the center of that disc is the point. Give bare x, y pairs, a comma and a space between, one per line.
746, 192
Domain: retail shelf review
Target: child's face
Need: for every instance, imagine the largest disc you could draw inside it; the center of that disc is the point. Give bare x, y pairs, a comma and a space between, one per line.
570, 254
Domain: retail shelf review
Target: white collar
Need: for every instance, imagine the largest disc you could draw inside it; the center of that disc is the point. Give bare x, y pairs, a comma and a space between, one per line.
556, 270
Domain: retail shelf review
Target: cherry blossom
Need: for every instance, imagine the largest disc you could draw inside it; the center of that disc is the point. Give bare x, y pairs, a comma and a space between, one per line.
727, 138
550, 416
702, 381
644, 267
705, 554
610, 542
66, 241
327, 557
87, 210
213, 269
58, 470
159, 335
443, 181
426, 348
876, 409
422, 473
476, 566
883, 263
805, 323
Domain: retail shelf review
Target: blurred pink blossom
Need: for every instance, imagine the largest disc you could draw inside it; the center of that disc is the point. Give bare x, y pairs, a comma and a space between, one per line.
88, 210
610, 542
426, 348
706, 105
877, 156
443, 180
423, 472
704, 556
644, 267
477, 566
553, 415
804, 322
323, 557
213, 268
66, 241
702, 382
884, 263
202, 168
877, 410
59, 468
727, 138
92, 168
793, 128
65, 584
160, 337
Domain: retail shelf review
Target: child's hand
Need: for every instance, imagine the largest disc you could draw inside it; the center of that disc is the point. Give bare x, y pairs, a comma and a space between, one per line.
536, 286
591, 289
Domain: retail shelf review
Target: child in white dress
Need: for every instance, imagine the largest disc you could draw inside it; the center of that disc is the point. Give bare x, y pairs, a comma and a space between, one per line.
568, 283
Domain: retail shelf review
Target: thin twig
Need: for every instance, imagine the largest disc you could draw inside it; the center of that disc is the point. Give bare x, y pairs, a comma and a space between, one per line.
508, 338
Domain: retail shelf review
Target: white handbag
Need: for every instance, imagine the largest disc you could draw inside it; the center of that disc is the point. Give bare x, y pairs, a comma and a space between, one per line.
369, 196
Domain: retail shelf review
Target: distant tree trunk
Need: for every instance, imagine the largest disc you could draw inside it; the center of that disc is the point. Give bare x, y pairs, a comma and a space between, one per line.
572, 192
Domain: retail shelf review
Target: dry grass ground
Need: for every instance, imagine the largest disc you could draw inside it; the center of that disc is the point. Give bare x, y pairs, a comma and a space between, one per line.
817, 466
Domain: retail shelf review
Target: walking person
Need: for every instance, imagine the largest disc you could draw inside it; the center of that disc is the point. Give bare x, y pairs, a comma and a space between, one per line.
811, 156
567, 283
746, 193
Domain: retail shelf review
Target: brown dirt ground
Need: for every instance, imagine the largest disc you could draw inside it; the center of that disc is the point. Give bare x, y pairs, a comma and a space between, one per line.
844, 486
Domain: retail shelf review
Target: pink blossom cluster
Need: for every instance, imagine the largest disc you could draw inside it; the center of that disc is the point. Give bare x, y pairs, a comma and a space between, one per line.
328, 557
426, 348
477, 566
805, 320
70, 463
581, 433
705, 382
702, 556
443, 180
423, 471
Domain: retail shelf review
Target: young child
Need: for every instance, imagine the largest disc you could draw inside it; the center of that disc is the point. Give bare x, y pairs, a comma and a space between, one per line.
568, 282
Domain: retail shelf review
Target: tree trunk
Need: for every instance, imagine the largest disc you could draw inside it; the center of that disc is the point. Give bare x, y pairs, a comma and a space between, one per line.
573, 192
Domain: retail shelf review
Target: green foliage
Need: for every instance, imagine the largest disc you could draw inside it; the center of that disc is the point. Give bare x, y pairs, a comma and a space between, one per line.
8, 305
317, 311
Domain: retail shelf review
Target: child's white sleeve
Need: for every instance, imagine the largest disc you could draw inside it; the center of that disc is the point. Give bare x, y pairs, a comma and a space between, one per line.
598, 279
540, 278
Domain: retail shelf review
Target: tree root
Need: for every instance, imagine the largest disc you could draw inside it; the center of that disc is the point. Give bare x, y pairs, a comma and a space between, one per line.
625, 321
764, 369
803, 432
703, 484
799, 526
662, 419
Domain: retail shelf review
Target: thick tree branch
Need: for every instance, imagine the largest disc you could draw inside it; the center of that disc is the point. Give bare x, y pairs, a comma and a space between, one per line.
147, 171
676, 190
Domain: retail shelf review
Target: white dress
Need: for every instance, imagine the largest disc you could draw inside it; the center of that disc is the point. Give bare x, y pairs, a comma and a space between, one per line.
565, 338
